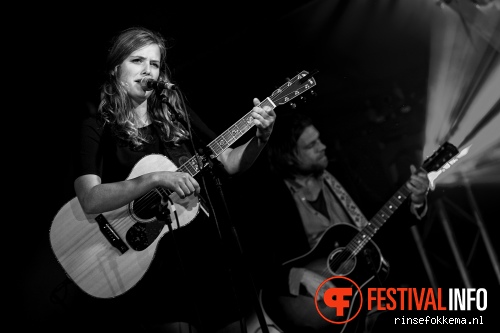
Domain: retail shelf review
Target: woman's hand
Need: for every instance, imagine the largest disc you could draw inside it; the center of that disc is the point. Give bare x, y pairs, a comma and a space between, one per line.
181, 183
263, 118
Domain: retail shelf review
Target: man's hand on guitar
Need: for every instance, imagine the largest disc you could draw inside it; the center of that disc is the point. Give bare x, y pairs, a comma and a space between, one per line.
310, 281
418, 185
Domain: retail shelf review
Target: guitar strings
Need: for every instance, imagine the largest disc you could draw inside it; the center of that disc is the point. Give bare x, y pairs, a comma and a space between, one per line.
348, 253
353, 247
146, 201
140, 204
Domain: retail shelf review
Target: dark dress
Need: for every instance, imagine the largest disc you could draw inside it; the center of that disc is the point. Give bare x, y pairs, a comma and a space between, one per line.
191, 278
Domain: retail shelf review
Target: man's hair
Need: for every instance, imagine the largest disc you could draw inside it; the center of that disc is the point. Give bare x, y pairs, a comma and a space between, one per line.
282, 147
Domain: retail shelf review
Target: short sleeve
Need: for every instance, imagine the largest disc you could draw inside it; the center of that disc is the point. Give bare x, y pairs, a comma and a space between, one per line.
88, 154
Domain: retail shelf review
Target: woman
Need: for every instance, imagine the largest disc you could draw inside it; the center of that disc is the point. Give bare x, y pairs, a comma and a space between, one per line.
134, 121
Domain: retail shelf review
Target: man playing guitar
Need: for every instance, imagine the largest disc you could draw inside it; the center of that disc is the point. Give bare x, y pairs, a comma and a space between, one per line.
314, 202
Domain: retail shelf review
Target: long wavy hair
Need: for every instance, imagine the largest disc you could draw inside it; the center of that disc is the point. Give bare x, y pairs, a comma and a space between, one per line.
116, 108
282, 148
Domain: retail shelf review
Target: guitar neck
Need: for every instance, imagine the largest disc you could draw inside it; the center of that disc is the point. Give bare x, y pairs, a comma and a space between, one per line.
378, 220
225, 140
443, 155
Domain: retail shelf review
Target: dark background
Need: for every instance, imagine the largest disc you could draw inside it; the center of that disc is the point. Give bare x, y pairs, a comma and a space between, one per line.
371, 56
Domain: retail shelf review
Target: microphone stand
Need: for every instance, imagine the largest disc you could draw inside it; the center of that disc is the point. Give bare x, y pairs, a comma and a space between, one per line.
216, 165
163, 215
219, 168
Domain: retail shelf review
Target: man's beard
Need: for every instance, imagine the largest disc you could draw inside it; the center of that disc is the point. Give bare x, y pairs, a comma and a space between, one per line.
314, 170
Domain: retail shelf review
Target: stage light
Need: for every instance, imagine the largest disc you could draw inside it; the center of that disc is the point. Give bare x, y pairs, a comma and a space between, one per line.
463, 105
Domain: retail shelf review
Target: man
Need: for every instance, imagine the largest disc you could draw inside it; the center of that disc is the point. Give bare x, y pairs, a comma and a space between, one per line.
307, 200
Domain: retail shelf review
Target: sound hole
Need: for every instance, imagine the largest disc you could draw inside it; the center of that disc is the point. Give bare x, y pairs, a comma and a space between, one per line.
145, 208
341, 261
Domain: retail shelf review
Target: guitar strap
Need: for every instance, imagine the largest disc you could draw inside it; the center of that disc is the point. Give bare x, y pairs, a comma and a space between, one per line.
350, 206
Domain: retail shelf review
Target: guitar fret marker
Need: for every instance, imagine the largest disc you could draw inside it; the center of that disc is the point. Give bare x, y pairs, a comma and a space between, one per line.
222, 143
194, 165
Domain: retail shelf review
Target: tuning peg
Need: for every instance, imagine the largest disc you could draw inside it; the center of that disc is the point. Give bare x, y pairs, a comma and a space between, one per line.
293, 105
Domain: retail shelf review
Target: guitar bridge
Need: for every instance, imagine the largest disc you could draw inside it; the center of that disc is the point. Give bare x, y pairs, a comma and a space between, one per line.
110, 234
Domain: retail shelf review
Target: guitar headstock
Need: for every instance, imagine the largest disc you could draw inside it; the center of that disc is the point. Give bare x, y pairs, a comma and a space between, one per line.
439, 158
296, 86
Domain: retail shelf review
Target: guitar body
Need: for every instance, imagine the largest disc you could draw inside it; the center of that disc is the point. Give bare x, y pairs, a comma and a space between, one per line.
292, 313
94, 260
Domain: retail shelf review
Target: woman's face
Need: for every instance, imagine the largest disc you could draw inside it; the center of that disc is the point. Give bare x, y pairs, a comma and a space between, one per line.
144, 62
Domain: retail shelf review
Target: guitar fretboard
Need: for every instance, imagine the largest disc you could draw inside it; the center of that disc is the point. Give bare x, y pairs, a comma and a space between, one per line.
364, 236
225, 140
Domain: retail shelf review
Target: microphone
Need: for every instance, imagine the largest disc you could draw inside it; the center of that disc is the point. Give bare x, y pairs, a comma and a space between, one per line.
150, 84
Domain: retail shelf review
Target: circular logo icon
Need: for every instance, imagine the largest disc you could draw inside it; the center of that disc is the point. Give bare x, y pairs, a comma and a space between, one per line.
337, 298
